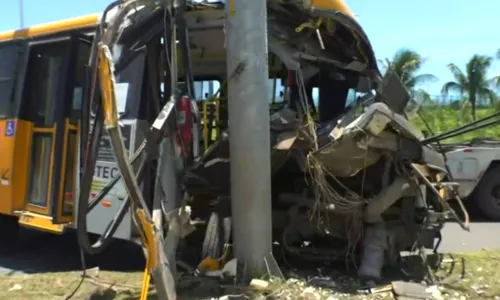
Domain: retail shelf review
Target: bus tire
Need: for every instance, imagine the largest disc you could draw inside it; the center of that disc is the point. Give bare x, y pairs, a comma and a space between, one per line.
487, 195
214, 237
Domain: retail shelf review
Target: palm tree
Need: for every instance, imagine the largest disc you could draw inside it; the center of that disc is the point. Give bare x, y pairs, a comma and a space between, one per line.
496, 80
406, 63
473, 84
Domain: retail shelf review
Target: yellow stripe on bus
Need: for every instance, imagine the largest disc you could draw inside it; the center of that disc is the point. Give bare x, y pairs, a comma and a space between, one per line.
88, 21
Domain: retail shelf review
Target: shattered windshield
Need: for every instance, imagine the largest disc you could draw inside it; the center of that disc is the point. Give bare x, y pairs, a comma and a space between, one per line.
352, 95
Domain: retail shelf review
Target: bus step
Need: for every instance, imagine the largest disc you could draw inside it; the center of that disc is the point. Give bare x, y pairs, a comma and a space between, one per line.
40, 222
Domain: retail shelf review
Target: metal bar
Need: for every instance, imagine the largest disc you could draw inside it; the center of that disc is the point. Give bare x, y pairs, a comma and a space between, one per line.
247, 68
463, 224
167, 193
184, 43
165, 282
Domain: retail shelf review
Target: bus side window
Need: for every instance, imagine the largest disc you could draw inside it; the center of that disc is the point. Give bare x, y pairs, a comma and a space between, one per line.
206, 89
10, 63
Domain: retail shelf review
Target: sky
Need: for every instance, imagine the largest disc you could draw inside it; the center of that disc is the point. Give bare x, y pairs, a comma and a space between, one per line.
443, 31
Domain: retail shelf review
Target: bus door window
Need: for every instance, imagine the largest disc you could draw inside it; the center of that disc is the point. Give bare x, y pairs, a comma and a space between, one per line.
45, 82
44, 85
128, 90
81, 58
72, 113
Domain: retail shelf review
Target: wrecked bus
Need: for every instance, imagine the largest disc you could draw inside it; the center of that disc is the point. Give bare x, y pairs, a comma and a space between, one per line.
354, 181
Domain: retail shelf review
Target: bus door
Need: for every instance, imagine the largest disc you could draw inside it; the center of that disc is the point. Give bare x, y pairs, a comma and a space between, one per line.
51, 102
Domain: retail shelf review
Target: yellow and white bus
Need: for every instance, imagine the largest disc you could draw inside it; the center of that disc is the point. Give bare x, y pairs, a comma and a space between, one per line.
43, 79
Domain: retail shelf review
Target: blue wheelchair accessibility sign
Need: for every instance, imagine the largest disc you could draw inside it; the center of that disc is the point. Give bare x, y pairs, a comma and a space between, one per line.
11, 128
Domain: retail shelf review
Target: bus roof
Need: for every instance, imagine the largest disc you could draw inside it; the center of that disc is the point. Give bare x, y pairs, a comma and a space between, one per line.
87, 21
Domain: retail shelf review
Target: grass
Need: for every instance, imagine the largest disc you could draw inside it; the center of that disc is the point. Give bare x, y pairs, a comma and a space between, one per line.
48, 286
473, 275
444, 118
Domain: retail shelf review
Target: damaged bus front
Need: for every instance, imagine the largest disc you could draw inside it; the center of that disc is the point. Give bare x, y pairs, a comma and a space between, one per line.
353, 182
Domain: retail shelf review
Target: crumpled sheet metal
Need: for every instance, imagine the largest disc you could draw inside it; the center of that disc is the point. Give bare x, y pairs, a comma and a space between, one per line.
375, 119
362, 142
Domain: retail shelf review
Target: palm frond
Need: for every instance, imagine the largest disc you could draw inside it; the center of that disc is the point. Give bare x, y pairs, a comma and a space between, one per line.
424, 78
495, 82
452, 86
478, 83
460, 77
487, 94
478, 66
384, 64
405, 64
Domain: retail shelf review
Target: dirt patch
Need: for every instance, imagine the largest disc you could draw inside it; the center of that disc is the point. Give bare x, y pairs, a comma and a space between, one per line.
461, 276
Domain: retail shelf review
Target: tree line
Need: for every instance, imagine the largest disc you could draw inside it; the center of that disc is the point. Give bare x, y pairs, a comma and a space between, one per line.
471, 82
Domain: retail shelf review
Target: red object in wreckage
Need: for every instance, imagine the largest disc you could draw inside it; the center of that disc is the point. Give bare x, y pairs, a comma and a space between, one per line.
185, 123
291, 78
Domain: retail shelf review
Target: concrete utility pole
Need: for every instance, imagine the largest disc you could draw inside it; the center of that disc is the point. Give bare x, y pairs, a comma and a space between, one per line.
249, 136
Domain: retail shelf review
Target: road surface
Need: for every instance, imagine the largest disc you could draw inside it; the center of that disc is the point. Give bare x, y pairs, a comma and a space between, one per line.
482, 235
37, 252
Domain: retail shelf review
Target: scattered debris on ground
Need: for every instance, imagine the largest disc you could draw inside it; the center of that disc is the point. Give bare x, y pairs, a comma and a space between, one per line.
473, 275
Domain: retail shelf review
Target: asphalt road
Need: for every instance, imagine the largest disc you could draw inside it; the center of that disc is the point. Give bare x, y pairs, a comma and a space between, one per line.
40, 252
482, 235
